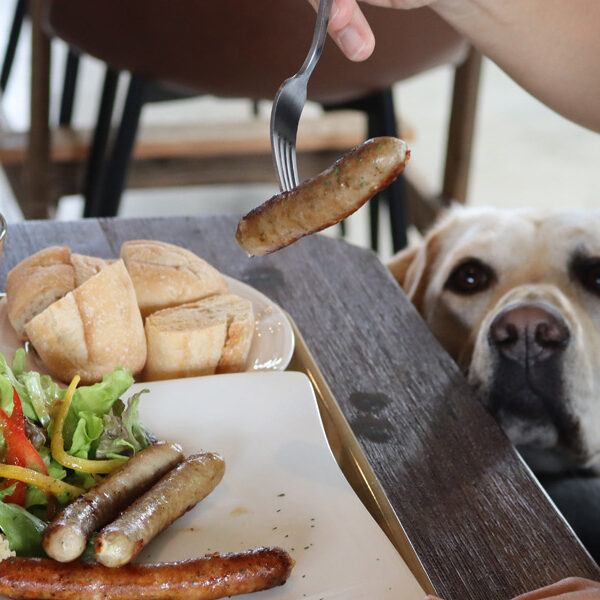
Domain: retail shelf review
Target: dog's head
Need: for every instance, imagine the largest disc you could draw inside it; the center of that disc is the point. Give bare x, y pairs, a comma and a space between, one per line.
515, 298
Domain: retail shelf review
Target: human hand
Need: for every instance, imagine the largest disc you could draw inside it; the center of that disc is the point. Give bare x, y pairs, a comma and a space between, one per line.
572, 588
351, 31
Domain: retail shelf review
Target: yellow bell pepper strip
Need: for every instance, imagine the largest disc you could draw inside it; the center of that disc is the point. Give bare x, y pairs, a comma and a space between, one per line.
19, 450
44, 482
57, 445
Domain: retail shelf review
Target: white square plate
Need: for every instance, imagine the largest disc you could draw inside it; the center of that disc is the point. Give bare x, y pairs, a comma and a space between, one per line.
282, 487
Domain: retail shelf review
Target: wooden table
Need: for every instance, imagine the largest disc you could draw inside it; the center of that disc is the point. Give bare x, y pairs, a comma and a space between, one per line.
478, 521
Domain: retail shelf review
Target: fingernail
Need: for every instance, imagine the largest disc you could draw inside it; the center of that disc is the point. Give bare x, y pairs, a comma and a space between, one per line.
352, 43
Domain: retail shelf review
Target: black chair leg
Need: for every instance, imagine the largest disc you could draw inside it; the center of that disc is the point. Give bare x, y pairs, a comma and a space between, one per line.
68, 93
381, 116
371, 106
397, 194
13, 39
96, 159
374, 221
120, 157
381, 121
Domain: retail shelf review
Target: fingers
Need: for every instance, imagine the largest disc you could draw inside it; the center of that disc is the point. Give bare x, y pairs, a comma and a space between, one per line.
350, 30
566, 589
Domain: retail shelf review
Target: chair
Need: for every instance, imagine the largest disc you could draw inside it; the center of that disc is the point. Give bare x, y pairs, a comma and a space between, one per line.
244, 49
71, 65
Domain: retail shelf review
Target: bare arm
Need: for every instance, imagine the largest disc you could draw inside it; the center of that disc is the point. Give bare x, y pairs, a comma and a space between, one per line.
550, 47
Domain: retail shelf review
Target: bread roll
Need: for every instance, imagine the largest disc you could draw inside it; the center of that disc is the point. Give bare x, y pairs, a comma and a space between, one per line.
165, 275
93, 329
43, 278
209, 336
37, 282
85, 267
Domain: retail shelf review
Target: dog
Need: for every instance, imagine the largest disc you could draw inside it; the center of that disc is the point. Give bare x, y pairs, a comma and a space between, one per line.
514, 297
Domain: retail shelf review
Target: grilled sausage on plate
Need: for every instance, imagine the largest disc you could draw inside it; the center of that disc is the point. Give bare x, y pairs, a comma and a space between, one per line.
66, 536
207, 578
176, 493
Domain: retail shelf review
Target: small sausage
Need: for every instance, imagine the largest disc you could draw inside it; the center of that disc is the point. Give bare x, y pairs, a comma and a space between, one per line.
176, 493
213, 576
66, 536
324, 200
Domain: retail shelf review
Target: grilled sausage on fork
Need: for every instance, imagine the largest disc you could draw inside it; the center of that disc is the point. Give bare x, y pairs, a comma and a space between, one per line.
325, 199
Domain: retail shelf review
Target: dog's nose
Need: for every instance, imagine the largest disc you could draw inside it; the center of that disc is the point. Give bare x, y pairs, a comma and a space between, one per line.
529, 331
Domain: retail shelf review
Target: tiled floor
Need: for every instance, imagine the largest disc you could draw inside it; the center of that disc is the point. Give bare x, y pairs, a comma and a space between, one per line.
524, 154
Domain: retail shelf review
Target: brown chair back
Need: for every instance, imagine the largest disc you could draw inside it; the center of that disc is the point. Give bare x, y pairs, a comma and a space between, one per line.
245, 48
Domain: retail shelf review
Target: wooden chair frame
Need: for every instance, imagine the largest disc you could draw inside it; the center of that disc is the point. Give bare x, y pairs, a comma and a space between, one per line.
39, 180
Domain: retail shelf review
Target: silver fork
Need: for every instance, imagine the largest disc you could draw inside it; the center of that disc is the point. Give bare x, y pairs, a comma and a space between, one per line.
289, 102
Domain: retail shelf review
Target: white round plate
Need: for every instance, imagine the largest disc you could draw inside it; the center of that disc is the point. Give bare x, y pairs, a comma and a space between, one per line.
273, 343
271, 350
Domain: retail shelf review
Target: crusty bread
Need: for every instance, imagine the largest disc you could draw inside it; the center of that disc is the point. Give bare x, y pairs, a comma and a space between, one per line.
165, 275
240, 329
93, 329
37, 282
85, 267
209, 336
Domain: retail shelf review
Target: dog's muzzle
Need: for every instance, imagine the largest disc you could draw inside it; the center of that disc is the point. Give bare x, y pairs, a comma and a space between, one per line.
528, 333
527, 342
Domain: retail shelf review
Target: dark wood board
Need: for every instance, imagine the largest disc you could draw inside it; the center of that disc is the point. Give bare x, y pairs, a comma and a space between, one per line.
479, 522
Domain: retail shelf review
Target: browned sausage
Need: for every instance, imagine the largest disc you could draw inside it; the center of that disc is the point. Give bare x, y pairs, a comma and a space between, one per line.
213, 576
176, 493
324, 200
66, 536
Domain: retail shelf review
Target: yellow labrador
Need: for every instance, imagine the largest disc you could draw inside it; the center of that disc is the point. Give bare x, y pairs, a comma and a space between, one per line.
514, 296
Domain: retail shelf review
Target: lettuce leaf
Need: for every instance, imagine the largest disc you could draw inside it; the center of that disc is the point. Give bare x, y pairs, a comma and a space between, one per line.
18, 362
22, 529
88, 430
95, 400
36, 497
123, 434
7, 374
42, 393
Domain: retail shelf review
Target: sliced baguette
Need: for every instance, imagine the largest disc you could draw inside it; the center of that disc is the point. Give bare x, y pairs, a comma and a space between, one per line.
212, 335
93, 329
166, 275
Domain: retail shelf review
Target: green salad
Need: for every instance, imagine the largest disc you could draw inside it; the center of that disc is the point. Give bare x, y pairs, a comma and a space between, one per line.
56, 443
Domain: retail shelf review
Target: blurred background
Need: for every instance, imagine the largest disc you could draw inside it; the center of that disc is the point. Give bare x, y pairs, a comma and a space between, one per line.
522, 153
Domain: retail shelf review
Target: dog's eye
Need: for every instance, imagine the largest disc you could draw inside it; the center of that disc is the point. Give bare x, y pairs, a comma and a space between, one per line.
470, 277
588, 272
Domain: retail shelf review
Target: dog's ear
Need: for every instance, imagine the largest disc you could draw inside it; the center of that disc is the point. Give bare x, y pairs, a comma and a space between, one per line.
400, 263
412, 267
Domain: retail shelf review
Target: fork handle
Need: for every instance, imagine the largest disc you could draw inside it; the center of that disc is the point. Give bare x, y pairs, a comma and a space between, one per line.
319, 37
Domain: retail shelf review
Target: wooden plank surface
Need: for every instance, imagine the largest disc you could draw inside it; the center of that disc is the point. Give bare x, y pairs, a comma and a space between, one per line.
332, 131
480, 524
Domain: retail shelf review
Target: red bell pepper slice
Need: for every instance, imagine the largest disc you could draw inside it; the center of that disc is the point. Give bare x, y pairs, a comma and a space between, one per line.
19, 450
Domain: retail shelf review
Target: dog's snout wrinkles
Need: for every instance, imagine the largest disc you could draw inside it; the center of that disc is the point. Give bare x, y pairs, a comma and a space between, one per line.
529, 332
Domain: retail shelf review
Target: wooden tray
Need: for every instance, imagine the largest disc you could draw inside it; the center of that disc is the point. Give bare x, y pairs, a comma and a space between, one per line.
353, 462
